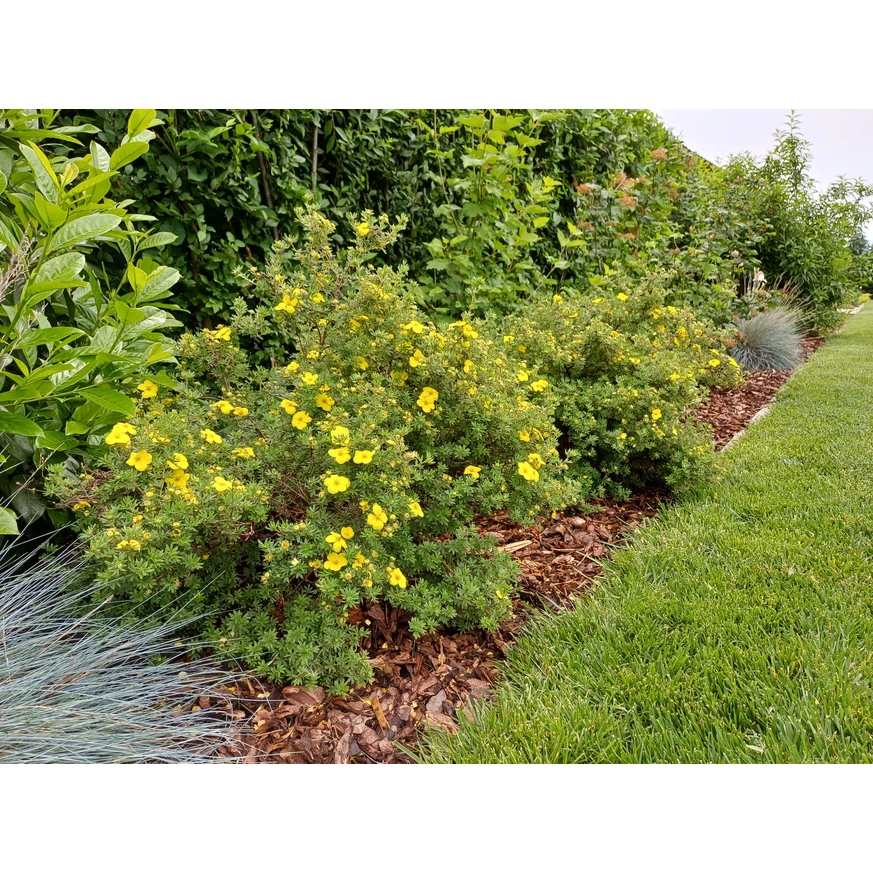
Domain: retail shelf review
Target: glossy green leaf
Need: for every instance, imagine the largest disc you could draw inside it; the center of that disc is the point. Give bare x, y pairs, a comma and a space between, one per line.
11, 422
8, 522
43, 175
82, 229
126, 153
109, 398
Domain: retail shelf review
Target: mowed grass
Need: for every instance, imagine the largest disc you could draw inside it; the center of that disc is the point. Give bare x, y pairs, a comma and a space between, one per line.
738, 627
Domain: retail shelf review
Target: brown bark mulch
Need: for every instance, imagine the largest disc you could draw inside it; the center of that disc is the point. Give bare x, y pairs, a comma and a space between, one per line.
427, 682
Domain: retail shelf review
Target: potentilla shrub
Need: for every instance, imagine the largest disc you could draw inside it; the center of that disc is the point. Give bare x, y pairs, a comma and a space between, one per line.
624, 369
281, 498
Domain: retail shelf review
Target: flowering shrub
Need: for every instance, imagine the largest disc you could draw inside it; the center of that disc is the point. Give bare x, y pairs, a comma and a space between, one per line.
280, 498
624, 368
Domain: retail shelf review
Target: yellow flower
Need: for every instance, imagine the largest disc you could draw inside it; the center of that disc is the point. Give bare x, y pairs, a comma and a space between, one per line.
674, 377
396, 577
301, 419
289, 406
468, 365
535, 460
524, 436
621, 297
82, 504
240, 411
472, 471
220, 484
140, 460
622, 436
597, 300
210, 436
377, 518
363, 229
120, 434
363, 457
656, 414
359, 561
137, 519
367, 583
415, 509
499, 594
324, 401
522, 376
414, 326
528, 472
467, 329
317, 298
348, 533
417, 359
309, 378
336, 484
337, 540
179, 479
179, 462
148, 389
244, 452
361, 362
340, 455
336, 562
539, 385
292, 368
714, 362
288, 304
339, 436
223, 406
221, 333
733, 363
427, 399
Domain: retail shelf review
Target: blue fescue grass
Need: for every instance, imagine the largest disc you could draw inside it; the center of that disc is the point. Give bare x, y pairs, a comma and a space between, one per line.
769, 340
738, 627
75, 688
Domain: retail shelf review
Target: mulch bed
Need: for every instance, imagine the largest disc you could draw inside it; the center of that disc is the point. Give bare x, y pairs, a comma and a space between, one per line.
428, 681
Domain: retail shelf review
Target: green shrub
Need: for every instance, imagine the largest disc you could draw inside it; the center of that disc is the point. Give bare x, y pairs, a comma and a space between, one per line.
227, 183
69, 339
351, 470
808, 244
483, 259
624, 368
500, 202
769, 340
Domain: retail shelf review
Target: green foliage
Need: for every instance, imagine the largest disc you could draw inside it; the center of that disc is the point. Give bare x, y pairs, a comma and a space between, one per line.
625, 367
70, 339
769, 340
493, 207
280, 498
808, 244
227, 184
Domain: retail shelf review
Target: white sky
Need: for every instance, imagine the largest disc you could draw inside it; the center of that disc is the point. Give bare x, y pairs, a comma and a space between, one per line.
841, 139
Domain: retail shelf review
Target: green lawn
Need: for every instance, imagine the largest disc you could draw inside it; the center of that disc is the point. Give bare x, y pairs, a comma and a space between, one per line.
736, 628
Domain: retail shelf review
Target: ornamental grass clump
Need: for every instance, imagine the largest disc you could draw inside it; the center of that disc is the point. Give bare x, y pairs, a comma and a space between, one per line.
78, 687
769, 340
623, 368
350, 471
